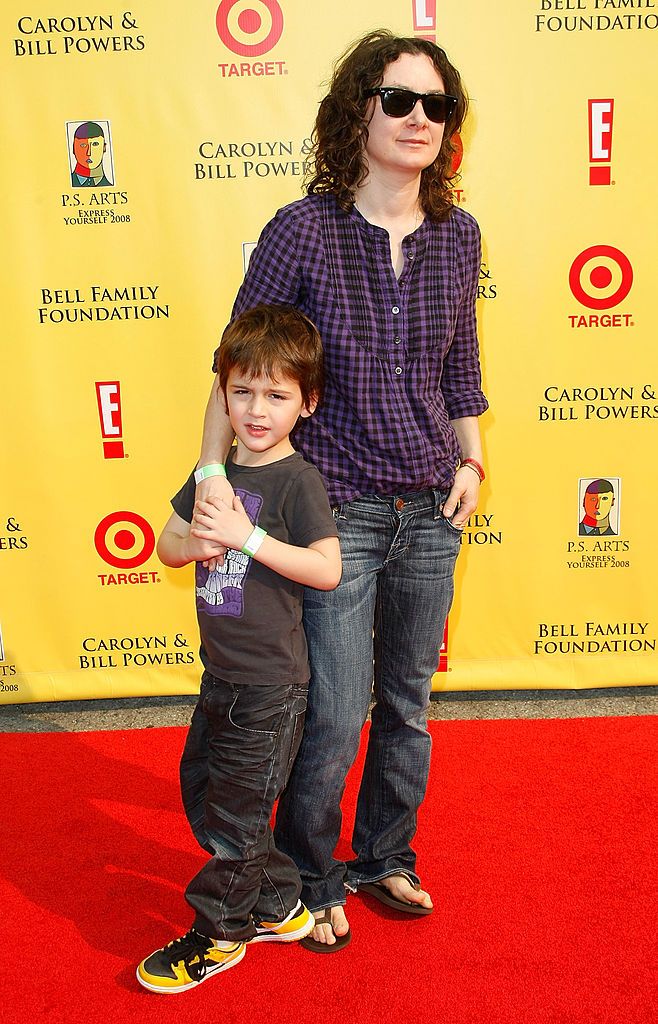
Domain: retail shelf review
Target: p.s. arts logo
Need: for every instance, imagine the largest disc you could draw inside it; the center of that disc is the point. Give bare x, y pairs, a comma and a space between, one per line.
600, 140
91, 174
108, 398
125, 540
91, 158
600, 278
599, 506
250, 28
597, 524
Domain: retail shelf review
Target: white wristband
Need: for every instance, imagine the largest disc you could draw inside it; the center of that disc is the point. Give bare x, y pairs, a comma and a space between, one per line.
254, 541
214, 469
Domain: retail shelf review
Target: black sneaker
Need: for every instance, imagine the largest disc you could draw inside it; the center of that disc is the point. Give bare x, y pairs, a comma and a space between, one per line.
186, 962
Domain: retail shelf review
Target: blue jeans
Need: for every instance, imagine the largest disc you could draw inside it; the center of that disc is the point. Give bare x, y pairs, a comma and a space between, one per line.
385, 623
237, 758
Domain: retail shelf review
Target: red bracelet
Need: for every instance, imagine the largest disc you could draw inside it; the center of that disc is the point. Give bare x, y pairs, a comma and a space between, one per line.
474, 465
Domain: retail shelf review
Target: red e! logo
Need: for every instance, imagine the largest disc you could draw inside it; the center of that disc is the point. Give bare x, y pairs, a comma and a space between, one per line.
249, 28
424, 15
600, 140
443, 651
108, 396
601, 276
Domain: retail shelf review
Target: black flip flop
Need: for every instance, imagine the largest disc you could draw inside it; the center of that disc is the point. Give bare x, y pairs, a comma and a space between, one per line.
323, 947
381, 893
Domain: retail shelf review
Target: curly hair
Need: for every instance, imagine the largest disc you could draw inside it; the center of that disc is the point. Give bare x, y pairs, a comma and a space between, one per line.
336, 164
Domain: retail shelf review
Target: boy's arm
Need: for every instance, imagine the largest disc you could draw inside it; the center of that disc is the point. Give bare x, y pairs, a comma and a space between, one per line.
176, 547
318, 565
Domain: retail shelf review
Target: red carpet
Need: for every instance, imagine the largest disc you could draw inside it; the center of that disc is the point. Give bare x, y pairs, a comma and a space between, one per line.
536, 841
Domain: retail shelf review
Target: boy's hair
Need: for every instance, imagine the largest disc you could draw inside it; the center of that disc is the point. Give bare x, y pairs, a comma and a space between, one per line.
270, 341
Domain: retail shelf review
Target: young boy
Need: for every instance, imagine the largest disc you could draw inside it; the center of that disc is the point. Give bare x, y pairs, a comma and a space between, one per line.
279, 535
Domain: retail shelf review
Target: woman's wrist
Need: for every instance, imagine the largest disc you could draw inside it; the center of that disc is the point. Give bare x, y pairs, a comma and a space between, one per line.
210, 469
475, 466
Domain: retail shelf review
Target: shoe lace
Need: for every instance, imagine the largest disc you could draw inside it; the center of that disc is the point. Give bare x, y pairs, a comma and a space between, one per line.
190, 950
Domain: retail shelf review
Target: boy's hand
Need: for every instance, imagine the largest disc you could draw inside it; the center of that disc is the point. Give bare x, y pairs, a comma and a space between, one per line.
204, 550
221, 523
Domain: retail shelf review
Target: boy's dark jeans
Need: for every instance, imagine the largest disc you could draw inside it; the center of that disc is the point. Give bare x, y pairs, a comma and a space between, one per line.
237, 758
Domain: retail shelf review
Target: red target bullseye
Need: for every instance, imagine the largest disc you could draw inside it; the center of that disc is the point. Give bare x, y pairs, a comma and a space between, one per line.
591, 286
246, 31
138, 541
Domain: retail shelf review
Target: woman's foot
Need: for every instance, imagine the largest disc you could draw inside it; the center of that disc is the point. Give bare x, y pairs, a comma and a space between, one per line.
399, 893
401, 889
331, 932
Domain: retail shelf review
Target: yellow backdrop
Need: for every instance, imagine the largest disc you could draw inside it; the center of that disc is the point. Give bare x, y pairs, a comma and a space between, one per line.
114, 295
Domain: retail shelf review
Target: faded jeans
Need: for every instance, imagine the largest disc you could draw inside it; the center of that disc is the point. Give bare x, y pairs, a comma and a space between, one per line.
388, 611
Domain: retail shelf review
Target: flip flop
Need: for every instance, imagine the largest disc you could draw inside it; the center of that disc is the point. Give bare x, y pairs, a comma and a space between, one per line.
381, 893
324, 947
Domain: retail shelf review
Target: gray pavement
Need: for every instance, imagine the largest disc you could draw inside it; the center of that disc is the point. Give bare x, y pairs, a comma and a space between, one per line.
149, 712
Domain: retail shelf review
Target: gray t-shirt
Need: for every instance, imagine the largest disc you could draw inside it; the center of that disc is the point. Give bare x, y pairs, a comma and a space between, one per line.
250, 617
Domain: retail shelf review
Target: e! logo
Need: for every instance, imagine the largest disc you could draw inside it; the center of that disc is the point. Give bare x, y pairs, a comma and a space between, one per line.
424, 12
108, 396
124, 540
601, 276
249, 28
600, 140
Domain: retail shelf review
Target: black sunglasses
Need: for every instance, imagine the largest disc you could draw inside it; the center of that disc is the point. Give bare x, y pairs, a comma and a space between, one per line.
397, 102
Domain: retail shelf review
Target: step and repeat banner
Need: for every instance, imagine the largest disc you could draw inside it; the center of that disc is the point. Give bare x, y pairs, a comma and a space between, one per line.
145, 149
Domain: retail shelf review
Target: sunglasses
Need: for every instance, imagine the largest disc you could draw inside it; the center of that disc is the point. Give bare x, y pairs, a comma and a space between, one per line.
397, 102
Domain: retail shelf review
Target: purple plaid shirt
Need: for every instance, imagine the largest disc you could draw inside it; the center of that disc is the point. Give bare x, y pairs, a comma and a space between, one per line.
401, 355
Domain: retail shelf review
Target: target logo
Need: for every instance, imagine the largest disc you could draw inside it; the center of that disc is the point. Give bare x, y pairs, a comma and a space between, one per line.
124, 540
601, 277
249, 28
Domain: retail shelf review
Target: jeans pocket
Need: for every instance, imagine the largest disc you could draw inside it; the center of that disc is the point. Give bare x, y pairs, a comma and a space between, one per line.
298, 714
252, 712
456, 530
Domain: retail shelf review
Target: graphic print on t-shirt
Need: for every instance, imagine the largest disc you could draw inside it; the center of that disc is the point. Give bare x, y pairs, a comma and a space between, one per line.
220, 592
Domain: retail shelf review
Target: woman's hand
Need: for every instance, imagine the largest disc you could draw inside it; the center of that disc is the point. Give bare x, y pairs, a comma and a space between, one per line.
463, 497
207, 490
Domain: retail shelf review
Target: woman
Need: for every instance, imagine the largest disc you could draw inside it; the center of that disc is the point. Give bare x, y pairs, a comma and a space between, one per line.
377, 256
